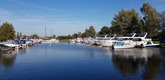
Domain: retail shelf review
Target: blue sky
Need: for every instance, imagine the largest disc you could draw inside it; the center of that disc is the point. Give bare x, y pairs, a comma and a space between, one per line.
65, 16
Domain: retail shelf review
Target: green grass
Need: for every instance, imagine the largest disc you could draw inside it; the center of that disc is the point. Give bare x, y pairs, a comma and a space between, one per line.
64, 40
156, 41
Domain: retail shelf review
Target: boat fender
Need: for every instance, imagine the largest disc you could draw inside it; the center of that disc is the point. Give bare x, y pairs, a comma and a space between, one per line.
142, 46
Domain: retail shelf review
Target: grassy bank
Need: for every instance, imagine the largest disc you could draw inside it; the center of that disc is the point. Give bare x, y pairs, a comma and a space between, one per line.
64, 40
156, 42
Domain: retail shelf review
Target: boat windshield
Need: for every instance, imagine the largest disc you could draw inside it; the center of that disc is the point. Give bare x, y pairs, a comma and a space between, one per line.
137, 39
110, 36
140, 35
128, 35
102, 36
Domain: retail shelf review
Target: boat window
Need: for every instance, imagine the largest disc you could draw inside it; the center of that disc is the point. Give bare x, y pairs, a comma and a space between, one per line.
128, 35
140, 35
137, 39
125, 39
148, 42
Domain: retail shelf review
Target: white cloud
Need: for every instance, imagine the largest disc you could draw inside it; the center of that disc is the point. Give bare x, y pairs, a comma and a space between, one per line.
4, 12
35, 24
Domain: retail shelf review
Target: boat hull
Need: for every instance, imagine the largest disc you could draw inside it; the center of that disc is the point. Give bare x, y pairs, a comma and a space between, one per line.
106, 43
152, 45
122, 47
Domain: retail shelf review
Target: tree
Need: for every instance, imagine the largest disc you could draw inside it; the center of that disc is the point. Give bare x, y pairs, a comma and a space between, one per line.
35, 36
79, 34
18, 37
69, 36
6, 31
126, 21
24, 36
54, 36
104, 30
162, 28
92, 31
62, 37
75, 35
151, 19
86, 33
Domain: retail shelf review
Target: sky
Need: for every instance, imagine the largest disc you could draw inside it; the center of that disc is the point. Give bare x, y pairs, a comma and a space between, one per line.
65, 17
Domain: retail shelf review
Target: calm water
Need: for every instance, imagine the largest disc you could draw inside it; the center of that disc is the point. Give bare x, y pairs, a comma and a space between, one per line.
63, 61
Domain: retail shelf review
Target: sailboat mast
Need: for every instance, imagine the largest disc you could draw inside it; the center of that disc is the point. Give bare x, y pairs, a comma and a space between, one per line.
45, 31
51, 31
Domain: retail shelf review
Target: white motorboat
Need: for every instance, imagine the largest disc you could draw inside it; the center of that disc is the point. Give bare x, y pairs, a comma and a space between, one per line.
141, 41
72, 41
138, 40
78, 40
85, 40
46, 41
54, 40
107, 41
23, 43
11, 43
91, 41
123, 45
124, 42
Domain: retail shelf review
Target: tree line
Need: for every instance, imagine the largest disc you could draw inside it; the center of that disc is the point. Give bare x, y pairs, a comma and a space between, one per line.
126, 21
87, 33
7, 31
129, 21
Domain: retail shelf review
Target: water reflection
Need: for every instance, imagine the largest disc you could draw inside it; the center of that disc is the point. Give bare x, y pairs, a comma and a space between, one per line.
7, 58
83, 62
162, 64
130, 62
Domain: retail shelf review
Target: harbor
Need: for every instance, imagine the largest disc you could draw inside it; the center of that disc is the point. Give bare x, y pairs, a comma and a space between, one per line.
123, 41
82, 40
63, 61
12, 44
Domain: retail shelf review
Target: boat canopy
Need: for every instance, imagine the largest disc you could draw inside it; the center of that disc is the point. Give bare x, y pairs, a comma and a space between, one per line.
22, 41
12, 41
140, 34
47, 39
102, 36
128, 35
110, 35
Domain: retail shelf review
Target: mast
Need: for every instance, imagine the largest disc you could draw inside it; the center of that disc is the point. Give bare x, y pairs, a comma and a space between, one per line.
51, 32
45, 31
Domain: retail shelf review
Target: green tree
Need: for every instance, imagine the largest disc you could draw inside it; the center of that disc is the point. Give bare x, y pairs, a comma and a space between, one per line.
79, 34
162, 19
18, 37
62, 37
6, 31
20, 34
126, 21
24, 36
69, 36
92, 31
104, 30
75, 35
54, 36
150, 19
86, 33
34, 36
